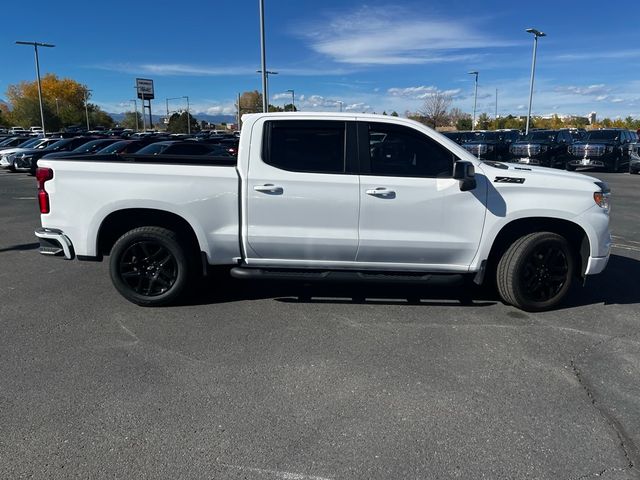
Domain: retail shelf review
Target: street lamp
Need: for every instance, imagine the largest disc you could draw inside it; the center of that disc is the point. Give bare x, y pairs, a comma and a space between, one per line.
135, 108
35, 46
536, 34
293, 99
475, 100
86, 106
265, 89
263, 61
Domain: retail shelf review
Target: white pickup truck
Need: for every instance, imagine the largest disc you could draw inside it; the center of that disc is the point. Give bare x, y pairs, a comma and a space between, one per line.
319, 195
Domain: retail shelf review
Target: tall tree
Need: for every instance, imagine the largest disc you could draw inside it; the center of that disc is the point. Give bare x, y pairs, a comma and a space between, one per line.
250, 102
435, 109
63, 102
129, 120
483, 122
178, 123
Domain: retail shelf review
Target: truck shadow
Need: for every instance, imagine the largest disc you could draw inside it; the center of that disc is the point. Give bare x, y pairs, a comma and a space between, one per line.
618, 284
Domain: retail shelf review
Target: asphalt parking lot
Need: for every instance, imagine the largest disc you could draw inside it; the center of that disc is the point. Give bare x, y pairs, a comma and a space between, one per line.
285, 381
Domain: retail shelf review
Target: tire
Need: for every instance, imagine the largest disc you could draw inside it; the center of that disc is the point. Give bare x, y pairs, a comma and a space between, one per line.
614, 167
535, 273
149, 267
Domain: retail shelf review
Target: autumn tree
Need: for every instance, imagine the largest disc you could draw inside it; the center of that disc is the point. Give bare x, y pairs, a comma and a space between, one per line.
62, 101
435, 109
250, 102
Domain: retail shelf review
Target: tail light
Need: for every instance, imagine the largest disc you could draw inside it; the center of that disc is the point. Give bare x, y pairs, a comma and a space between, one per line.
43, 174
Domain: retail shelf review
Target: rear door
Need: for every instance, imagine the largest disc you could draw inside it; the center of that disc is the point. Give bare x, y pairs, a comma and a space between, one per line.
413, 214
302, 193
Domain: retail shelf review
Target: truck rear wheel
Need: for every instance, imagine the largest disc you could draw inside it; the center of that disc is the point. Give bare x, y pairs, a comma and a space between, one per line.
535, 273
149, 267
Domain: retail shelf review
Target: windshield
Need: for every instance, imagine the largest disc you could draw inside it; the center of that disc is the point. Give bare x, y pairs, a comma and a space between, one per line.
153, 149
58, 144
114, 147
543, 135
479, 136
31, 143
603, 135
88, 147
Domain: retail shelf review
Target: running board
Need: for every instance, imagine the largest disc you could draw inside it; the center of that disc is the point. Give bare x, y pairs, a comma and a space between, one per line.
245, 273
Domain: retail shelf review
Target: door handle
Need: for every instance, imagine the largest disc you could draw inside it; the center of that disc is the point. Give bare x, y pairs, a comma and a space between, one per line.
268, 188
380, 192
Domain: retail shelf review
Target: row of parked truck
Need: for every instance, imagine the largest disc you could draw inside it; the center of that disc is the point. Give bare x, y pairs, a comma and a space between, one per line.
611, 149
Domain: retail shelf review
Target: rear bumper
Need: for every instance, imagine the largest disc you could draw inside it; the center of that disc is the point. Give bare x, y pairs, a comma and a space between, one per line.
55, 243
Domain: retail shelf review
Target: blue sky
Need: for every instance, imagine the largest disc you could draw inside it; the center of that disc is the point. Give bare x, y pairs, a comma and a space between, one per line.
371, 56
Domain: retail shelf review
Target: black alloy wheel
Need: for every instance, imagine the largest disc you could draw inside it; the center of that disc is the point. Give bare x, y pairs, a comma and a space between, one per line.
545, 272
535, 273
149, 268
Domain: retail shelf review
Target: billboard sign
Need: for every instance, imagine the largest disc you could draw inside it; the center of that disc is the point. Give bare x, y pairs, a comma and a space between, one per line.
144, 86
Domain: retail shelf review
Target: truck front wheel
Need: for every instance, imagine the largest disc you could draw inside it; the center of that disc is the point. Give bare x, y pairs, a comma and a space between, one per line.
535, 273
149, 267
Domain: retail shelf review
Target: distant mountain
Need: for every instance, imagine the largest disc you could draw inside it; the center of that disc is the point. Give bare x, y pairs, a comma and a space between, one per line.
199, 116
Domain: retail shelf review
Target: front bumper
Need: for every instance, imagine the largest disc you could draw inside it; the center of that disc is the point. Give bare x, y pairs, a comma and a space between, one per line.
55, 243
587, 162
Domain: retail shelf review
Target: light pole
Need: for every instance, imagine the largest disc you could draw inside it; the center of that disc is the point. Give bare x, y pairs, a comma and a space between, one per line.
536, 34
135, 109
86, 106
188, 116
340, 102
263, 61
293, 100
475, 100
35, 46
266, 88
57, 108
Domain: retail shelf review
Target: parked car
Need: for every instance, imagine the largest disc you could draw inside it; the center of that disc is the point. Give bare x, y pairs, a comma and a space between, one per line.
460, 137
634, 160
123, 146
547, 148
85, 149
607, 148
27, 160
492, 145
8, 156
176, 147
312, 198
12, 142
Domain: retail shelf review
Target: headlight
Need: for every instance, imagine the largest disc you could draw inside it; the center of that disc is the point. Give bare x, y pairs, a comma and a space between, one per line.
603, 197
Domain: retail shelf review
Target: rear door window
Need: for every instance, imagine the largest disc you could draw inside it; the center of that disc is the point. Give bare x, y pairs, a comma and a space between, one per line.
305, 146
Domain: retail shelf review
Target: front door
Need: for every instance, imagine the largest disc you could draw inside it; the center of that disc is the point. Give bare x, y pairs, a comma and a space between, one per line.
412, 212
302, 193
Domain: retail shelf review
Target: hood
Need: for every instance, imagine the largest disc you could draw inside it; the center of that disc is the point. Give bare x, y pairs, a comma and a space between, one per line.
539, 176
9, 151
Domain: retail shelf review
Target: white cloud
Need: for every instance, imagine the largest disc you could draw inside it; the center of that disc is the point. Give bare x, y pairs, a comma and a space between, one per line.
591, 90
189, 70
393, 35
421, 92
